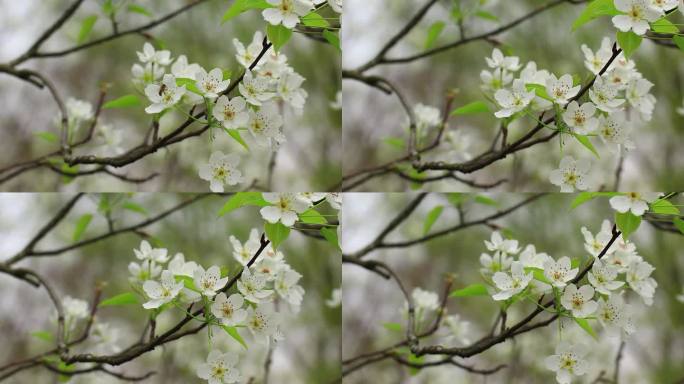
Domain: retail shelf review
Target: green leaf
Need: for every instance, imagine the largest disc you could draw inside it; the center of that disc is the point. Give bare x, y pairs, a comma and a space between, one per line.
395, 327
123, 102
122, 299
43, 335
135, 8
664, 26
311, 216
330, 235
86, 26
539, 90
627, 223
81, 226
131, 206
584, 140
333, 39
486, 200
314, 20
431, 217
233, 332
486, 15
584, 324
470, 108
242, 199
471, 290
108, 8
664, 207
240, 6
189, 84
433, 33
189, 283
277, 233
679, 42
235, 134
679, 223
538, 274
47, 136
583, 197
629, 42
595, 9
278, 35
396, 142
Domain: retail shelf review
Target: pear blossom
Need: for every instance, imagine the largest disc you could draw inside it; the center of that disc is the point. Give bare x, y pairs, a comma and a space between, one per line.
146, 270
255, 89
264, 126
458, 330
146, 252
287, 12
499, 61
531, 75
539, 288
231, 113
219, 368
615, 129
246, 56
637, 93
459, 145
160, 294
312, 197
229, 309
179, 267
514, 100
640, 280
289, 89
560, 272
221, 170
595, 244
636, 202
285, 207
513, 284
596, 61
75, 308
663, 5
286, 286
602, 277
637, 15
252, 286
568, 361
150, 55
579, 301
426, 116
604, 94
530, 258
209, 281
580, 118
147, 74
560, 90
182, 69
163, 97
334, 199
499, 245
571, 174
336, 104
491, 264
425, 300
619, 77
79, 110
243, 253
262, 322
211, 84
491, 81
335, 299
621, 260
269, 267
613, 314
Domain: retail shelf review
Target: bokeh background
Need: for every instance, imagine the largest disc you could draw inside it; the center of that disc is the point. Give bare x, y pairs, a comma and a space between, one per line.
310, 160
308, 354
652, 355
370, 116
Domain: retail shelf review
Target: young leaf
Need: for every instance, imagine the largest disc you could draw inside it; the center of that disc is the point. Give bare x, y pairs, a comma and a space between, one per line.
538, 274
486, 15
486, 200
122, 299
629, 42
235, 134
332, 38
431, 217
664, 207
233, 332
433, 33
311, 216
123, 102
314, 20
189, 283
627, 223
189, 84
135, 8
242, 199
331, 236
240, 6
396, 142
47, 136
470, 108
539, 90
86, 26
584, 324
43, 335
395, 327
276, 233
131, 206
664, 26
679, 223
471, 290
584, 140
596, 8
278, 35
81, 226
583, 197
679, 42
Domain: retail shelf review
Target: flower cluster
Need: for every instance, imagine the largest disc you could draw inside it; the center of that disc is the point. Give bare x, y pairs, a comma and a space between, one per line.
637, 14
452, 327
615, 266
286, 206
262, 281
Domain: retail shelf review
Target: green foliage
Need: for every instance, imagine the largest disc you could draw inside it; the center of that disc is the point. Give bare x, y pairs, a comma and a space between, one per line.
43, 335
330, 235
135, 8
189, 283
679, 223
470, 108
311, 216
81, 226
47, 136
486, 200
679, 42
539, 90
86, 27
189, 84
126, 101
433, 33
431, 217
664, 26
664, 207
584, 324
242, 199
471, 290
595, 9
394, 327
314, 20
627, 223
538, 274
235, 135
233, 332
584, 140
240, 6
276, 233
333, 38
134, 207
583, 197
396, 142
278, 35
629, 42
121, 299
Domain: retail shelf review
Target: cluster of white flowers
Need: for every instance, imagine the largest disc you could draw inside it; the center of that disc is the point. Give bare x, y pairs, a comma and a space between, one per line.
639, 13
618, 267
286, 206
452, 327
289, 12
634, 202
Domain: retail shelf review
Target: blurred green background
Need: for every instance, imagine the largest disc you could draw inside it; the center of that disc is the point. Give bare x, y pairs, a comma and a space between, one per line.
308, 354
310, 160
653, 354
370, 117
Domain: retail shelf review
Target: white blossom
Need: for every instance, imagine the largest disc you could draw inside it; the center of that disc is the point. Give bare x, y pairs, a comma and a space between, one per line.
602, 277
146, 252
560, 89
211, 84
425, 300
243, 253
219, 368
513, 284
287, 288
146, 270
147, 74
514, 100
595, 244
285, 207
221, 170
229, 309
571, 174
231, 113
150, 55
604, 95
179, 267
335, 299
75, 308
182, 69
492, 264
290, 90
640, 280
560, 272
636, 17
499, 61
568, 361
596, 61
637, 93
161, 293
499, 245
581, 118
636, 202
246, 56
458, 330
209, 281
164, 96
264, 126
613, 314
252, 286
262, 322
614, 129
491, 81
530, 258
287, 12
579, 301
